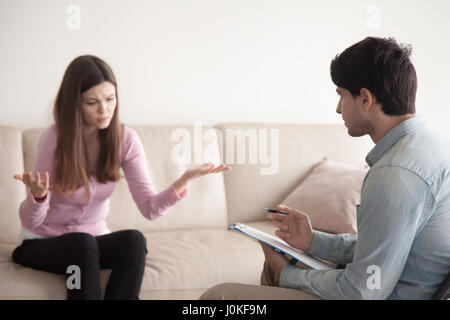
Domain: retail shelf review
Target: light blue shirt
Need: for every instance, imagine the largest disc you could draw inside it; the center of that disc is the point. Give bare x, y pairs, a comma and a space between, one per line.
402, 250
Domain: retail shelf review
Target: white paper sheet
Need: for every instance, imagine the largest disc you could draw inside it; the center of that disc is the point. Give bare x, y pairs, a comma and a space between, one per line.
281, 245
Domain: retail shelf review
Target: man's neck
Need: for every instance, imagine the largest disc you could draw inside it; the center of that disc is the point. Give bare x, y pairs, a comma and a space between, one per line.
384, 123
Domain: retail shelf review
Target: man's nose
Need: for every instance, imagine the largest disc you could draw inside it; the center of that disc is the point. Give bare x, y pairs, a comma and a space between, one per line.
338, 109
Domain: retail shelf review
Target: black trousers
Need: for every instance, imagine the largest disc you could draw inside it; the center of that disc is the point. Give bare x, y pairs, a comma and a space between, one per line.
123, 252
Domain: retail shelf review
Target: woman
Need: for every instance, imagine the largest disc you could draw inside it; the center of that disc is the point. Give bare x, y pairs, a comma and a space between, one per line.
81, 154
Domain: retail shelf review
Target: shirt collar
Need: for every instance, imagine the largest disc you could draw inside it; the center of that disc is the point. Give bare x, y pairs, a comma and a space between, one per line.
393, 136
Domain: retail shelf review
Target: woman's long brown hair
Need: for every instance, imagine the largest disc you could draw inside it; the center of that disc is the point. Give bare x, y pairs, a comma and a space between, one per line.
71, 165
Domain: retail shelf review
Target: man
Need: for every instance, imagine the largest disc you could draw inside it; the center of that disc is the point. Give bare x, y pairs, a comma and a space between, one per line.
402, 250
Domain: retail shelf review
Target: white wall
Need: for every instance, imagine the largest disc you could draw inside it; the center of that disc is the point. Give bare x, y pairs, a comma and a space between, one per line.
180, 61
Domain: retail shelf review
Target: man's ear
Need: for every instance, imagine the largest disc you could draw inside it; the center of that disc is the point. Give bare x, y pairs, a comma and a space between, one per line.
367, 98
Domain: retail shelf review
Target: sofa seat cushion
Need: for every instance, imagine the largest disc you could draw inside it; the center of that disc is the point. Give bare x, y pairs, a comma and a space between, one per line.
195, 260
180, 265
18, 282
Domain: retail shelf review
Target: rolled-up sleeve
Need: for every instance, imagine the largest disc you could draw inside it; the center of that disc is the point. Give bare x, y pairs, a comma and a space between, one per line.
393, 202
337, 248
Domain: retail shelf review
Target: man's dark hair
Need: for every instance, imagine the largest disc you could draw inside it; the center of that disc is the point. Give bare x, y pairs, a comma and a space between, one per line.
383, 67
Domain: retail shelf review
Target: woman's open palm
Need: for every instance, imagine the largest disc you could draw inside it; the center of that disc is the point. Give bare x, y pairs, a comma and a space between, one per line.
37, 186
205, 169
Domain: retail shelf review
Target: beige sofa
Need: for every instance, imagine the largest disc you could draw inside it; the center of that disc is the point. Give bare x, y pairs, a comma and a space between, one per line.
191, 248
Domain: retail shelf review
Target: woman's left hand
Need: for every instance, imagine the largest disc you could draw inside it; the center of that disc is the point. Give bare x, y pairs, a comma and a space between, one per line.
196, 172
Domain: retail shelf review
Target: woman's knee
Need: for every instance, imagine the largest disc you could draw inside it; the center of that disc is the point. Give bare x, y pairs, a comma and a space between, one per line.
135, 239
81, 244
16, 254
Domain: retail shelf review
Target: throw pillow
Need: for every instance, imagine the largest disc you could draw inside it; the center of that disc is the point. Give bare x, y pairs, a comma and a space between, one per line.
329, 195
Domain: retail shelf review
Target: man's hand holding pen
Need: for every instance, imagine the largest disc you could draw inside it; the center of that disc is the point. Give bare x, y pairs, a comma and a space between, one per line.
295, 228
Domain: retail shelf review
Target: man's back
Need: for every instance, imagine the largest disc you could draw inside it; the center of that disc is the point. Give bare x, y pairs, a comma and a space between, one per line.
426, 155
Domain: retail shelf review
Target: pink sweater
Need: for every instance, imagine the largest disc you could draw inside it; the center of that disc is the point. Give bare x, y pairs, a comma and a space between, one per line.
58, 215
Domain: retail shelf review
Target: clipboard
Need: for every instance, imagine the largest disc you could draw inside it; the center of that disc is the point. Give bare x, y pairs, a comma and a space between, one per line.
281, 246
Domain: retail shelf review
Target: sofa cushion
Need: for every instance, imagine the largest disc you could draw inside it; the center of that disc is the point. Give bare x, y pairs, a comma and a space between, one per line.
19, 282
298, 149
203, 207
197, 260
179, 265
12, 191
329, 195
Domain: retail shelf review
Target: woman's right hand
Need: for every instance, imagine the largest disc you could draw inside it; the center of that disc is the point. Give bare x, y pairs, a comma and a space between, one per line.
38, 187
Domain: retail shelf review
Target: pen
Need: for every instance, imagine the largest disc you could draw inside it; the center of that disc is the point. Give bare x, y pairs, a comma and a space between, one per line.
275, 211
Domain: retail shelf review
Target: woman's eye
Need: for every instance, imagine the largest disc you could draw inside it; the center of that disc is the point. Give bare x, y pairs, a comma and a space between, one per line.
91, 103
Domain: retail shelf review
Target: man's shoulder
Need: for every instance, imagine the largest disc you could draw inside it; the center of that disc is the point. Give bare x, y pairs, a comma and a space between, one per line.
424, 153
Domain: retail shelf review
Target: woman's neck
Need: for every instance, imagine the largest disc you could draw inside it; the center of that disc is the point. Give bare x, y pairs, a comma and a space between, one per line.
90, 133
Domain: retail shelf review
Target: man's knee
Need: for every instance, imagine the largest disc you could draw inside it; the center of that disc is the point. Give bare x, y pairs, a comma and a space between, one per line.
218, 292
